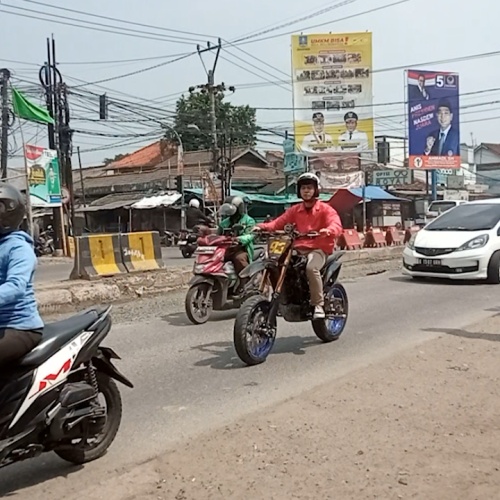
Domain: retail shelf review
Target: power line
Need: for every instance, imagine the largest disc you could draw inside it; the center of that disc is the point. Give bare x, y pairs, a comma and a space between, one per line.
90, 14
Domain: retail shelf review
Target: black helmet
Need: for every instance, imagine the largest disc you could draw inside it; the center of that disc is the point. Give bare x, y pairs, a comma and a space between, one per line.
12, 208
232, 204
308, 178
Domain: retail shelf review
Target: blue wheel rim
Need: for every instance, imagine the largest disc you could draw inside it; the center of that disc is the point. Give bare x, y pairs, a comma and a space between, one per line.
336, 325
260, 344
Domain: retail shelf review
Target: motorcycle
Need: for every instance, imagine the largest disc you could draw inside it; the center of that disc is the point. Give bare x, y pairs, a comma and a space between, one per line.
44, 244
49, 399
215, 284
255, 326
188, 242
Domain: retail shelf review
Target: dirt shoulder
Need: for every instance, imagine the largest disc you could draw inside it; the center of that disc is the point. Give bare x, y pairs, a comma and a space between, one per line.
422, 424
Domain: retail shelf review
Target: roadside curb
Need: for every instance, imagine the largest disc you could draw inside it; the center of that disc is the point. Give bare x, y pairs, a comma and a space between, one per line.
65, 296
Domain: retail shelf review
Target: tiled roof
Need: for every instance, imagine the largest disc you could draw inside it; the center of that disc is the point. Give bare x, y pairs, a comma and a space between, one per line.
494, 148
148, 156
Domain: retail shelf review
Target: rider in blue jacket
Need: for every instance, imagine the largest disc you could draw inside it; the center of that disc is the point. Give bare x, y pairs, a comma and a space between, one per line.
20, 323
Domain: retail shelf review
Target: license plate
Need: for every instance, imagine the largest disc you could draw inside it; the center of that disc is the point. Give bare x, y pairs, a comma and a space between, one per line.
182, 243
430, 262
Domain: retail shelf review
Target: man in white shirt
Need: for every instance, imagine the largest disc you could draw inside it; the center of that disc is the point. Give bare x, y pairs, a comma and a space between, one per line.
318, 141
352, 139
419, 92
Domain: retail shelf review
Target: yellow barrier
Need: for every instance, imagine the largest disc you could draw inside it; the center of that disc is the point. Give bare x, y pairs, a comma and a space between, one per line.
141, 251
97, 255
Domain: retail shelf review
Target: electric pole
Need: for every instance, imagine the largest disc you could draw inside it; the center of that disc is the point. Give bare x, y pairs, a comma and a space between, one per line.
219, 164
49, 75
4, 148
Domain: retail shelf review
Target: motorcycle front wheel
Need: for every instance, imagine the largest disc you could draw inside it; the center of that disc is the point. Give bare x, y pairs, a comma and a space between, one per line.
198, 303
337, 310
253, 341
92, 449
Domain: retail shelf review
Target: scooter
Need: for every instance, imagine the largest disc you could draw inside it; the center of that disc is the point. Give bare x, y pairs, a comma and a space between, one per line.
49, 399
215, 284
188, 241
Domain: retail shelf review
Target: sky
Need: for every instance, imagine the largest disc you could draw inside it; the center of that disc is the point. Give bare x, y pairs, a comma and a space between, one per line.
255, 58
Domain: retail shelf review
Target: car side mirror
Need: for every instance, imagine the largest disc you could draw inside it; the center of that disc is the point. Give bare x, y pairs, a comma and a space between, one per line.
498, 231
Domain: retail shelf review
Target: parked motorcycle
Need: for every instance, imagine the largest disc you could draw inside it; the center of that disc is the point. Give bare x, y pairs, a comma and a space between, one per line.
44, 244
49, 400
215, 284
284, 271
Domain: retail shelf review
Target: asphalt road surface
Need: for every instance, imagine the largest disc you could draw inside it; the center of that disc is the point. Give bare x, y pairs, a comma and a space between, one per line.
188, 380
59, 271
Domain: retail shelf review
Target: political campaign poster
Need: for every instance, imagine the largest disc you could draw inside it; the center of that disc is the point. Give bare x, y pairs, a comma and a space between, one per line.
43, 176
433, 119
332, 93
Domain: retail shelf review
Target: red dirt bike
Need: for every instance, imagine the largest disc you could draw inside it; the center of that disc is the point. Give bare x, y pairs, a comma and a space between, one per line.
215, 285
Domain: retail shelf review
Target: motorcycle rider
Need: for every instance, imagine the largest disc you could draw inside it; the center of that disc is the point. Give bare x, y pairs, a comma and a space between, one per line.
312, 215
195, 216
233, 212
20, 323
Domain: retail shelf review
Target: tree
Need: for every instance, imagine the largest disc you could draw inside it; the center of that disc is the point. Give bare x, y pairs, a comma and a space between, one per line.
234, 123
108, 161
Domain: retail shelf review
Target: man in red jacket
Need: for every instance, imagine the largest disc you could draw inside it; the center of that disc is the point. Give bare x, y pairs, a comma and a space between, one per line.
312, 215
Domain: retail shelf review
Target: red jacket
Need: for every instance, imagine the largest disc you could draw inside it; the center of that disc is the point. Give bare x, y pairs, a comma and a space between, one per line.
319, 216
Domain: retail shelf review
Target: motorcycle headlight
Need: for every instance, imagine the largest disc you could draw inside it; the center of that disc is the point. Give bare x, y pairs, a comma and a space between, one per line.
411, 242
477, 242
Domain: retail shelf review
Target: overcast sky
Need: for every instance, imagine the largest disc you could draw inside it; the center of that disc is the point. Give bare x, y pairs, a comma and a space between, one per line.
408, 34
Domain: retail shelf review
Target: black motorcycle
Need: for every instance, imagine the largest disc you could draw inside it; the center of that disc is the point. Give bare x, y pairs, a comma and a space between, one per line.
284, 275
188, 242
50, 400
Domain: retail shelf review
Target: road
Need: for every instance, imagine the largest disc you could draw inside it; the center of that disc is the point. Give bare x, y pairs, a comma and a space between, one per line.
188, 379
59, 271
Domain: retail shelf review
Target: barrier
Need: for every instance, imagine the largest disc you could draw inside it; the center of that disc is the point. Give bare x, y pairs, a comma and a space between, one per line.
141, 251
97, 256
349, 240
393, 236
410, 232
374, 238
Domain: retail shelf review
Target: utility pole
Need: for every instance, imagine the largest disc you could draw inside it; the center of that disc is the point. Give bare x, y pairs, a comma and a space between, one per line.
48, 76
4, 148
219, 164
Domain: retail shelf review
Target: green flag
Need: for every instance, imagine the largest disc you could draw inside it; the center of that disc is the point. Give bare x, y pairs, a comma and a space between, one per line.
29, 111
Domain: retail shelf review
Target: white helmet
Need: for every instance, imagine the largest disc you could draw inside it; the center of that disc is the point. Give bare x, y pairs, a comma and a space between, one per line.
194, 203
308, 178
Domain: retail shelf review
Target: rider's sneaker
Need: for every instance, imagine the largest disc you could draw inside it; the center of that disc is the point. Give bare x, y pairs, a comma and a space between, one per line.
319, 312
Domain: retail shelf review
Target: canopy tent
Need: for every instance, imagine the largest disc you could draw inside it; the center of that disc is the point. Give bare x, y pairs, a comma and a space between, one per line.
346, 199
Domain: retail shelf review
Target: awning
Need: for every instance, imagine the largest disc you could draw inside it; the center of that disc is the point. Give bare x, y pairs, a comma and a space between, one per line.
156, 201
345, 200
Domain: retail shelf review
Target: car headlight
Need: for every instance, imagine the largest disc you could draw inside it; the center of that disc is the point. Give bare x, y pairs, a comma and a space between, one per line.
478, 242
411, 242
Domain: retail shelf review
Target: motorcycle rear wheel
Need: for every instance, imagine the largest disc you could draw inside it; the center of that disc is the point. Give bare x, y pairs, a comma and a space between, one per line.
196, 311
186, 252
330, 329
251, 316
81, 454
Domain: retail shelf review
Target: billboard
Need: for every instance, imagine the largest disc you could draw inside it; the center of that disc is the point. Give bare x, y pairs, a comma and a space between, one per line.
433, 119
43, 176
337, 171
332, 93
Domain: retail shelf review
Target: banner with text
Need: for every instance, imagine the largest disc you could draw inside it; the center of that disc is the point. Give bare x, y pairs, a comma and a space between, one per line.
337, 171
433, 119
43, 176
332, 92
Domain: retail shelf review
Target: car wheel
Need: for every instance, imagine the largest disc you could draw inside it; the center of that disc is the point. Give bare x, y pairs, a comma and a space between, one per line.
494, 269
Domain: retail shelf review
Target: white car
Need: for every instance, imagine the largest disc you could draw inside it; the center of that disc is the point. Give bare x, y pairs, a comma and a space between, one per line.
462, 243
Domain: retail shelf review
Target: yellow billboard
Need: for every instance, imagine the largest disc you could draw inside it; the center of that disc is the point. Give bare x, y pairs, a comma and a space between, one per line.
332, 92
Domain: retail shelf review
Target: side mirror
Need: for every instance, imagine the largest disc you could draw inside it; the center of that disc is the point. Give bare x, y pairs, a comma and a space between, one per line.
498, 231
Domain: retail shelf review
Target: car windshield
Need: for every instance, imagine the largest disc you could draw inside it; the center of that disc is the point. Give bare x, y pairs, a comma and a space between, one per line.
441, 206
468, 217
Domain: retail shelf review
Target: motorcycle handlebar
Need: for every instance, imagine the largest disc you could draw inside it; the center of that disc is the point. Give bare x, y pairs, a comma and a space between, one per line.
295, 234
